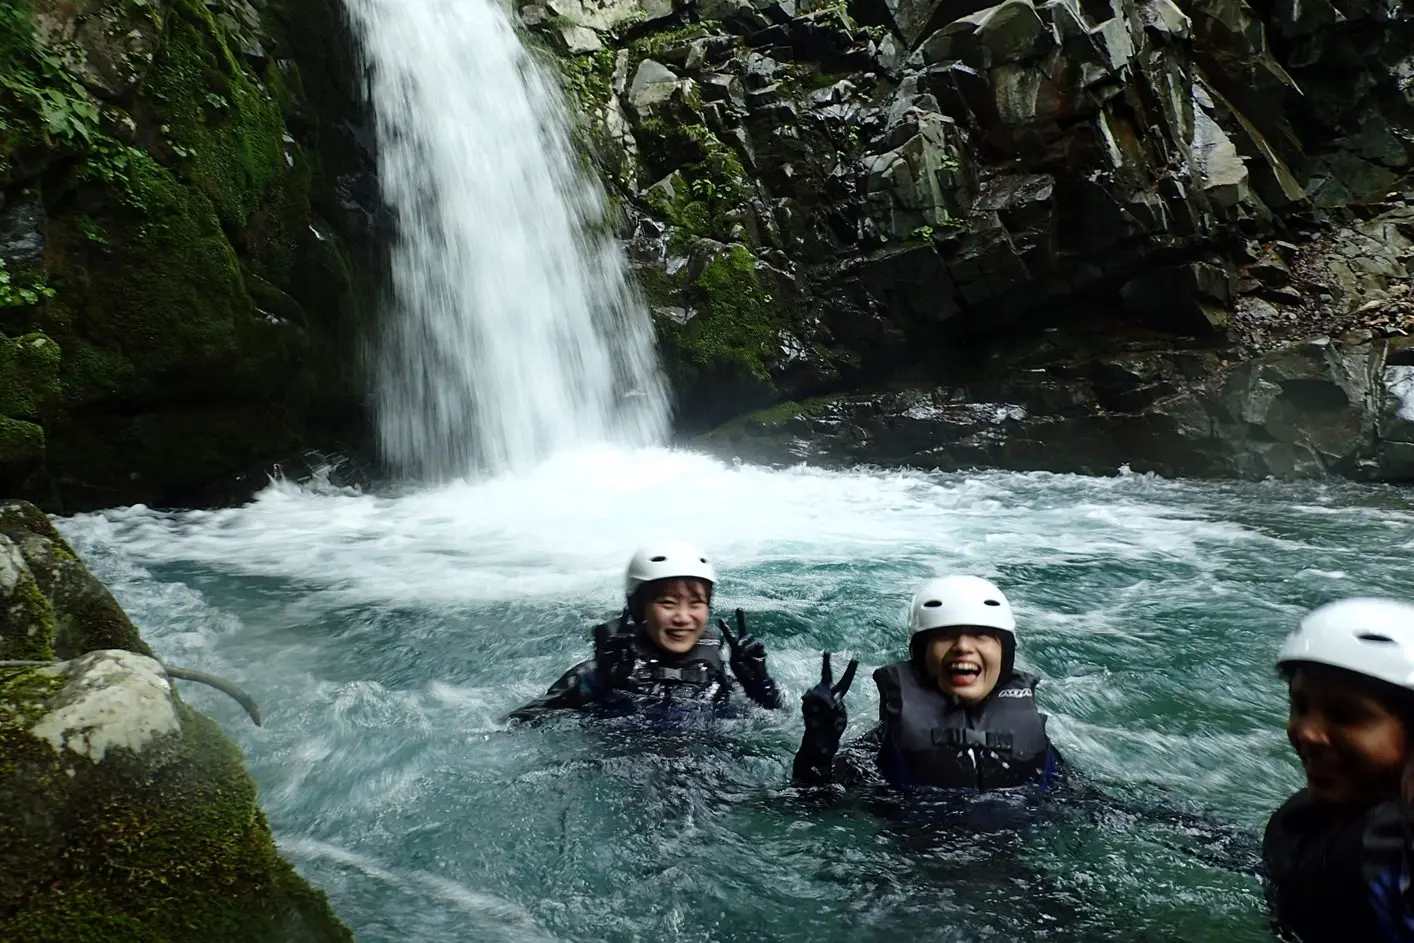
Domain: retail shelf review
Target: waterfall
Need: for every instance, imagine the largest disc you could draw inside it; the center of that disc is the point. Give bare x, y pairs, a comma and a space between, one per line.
516, 331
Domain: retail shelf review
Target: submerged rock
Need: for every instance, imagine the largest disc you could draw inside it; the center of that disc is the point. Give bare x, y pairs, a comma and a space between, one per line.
129, 816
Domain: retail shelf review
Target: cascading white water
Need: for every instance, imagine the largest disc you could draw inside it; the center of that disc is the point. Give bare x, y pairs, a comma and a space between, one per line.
517, 332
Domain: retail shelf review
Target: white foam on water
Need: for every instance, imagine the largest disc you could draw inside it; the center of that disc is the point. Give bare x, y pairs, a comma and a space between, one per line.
566, 527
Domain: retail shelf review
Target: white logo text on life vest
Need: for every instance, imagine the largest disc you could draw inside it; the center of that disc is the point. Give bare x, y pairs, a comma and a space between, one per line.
1014, 692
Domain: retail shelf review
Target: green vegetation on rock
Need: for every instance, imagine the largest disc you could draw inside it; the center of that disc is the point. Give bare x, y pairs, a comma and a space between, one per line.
167, 844
731, 336
136, 826
177, 242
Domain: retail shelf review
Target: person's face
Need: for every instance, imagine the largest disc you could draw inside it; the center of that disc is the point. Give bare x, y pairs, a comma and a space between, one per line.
1352, 746
675, 614
965, 662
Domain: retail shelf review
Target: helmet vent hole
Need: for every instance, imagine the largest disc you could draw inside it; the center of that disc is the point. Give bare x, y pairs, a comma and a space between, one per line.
1372, 637
658, 559
932, 604
990, 602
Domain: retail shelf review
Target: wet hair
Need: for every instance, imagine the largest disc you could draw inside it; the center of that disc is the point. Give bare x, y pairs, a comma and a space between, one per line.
638, 602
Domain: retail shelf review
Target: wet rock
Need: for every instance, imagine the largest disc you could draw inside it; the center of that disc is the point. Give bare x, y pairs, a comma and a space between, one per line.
608, 14
653, 84
106, 771
1183, 298
110, 43
22, 233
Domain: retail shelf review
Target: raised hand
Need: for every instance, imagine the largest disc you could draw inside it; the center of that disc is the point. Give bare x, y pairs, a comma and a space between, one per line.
748, 661
823, 705
613, 657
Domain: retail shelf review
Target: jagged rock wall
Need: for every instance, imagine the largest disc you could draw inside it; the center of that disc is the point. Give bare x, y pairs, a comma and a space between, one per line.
128, 815
902, 192
186, 242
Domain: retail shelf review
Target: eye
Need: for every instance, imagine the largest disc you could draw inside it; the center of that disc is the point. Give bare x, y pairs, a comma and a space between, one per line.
1346, 711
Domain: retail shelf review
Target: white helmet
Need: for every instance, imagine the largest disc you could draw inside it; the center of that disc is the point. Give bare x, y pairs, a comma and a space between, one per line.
1369, 636
671, 559
949, 601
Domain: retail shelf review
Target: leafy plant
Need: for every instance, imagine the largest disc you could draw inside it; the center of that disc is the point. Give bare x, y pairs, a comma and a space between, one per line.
14, 295
35, 81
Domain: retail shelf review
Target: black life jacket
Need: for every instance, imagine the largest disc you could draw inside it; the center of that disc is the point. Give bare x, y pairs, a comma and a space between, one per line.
1332, 878
698, 675
931, 739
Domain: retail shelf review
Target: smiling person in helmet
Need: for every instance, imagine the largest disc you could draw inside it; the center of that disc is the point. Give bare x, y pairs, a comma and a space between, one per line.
661, 652
956, 713
1338, 853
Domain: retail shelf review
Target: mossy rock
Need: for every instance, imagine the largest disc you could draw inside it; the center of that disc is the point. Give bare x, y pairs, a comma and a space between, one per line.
21, 447
80, 612
185, 275
721, 359
130, 818
29, 375
26, 617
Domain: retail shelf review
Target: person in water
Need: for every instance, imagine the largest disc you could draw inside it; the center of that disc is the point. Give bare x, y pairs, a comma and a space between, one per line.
955, 714
1337, 855
661, 653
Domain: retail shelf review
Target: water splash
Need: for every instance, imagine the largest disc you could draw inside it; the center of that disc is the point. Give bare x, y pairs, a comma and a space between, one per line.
517, 333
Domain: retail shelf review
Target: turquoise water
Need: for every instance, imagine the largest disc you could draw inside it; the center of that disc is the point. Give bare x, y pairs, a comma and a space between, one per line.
385, 637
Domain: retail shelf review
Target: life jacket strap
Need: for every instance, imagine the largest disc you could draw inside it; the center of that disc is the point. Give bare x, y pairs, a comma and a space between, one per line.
693, 674
963, 736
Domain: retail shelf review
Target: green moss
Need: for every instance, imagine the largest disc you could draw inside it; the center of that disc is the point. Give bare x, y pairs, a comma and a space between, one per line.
734, 331
85, 615
228, 123
654, 45
771, 423
126, 327
168, 845
26, 617
20, 442
713, 190
589, 79
29, 375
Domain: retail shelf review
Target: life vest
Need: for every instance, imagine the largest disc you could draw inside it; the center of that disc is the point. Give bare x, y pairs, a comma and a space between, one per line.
661, 678
931, 739
1331, 878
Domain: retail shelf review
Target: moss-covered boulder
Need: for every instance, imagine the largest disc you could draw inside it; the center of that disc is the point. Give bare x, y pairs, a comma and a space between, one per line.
180, 223
128, 815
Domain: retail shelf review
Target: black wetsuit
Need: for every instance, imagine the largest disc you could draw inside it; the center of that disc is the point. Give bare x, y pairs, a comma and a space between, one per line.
659, 682
1333, 878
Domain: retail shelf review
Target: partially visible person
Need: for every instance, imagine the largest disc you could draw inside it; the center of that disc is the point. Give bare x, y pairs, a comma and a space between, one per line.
1337, 855
660, 654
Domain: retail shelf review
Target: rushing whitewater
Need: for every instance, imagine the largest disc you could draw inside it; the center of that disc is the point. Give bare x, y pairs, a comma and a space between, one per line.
516, 332
386, 635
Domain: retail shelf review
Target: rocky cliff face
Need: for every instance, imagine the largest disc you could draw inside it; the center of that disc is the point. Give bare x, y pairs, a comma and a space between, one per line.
1085, 217
128, 815
186, 248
